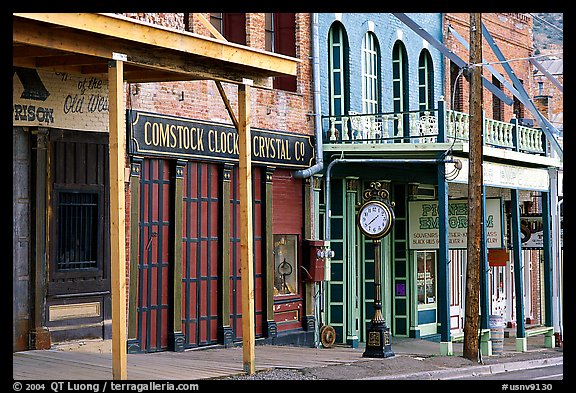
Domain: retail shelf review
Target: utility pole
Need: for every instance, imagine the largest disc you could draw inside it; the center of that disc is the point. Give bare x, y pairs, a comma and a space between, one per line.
472, 309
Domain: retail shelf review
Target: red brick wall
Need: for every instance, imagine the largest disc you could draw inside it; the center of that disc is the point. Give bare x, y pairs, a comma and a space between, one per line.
513, 35
270, 109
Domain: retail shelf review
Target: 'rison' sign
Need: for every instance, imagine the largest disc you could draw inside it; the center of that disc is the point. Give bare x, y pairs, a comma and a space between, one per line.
163, 135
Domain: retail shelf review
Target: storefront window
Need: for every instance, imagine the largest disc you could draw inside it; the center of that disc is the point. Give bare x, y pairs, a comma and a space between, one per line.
426, 270
285, 264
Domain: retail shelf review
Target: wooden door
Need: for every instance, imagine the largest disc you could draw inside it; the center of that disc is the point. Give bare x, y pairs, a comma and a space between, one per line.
154, 309
200, 254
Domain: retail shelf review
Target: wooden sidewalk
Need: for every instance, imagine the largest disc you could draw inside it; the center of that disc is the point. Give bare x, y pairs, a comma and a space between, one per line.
187, 365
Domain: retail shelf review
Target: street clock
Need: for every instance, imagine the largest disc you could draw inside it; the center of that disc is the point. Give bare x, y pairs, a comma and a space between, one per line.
375, 219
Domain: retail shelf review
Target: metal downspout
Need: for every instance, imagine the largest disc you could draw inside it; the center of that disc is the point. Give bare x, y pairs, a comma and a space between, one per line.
305, 173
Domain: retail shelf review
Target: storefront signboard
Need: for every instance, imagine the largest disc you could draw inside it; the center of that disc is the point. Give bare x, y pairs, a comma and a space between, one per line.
163, 135
59, 100
506, 176
423, 224
532, 232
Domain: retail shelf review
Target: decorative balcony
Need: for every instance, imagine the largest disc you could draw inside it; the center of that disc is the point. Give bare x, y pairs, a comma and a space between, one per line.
435, 126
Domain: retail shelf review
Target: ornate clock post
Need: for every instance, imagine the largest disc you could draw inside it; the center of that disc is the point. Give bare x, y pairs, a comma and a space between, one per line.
375, 220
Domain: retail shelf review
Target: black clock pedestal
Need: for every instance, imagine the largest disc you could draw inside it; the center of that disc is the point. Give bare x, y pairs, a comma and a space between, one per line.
378, 340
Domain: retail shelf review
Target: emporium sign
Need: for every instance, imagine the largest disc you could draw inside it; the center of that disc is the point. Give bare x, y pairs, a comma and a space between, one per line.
423, 224
163, 135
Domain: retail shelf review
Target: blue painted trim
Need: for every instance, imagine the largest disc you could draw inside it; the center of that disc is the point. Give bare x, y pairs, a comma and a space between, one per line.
518, 264
426, 316
443, 289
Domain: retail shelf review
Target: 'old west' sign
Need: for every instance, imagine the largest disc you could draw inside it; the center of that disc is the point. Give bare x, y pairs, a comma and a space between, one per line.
163, 135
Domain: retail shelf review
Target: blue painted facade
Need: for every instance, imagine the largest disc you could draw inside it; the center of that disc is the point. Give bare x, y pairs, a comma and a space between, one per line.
388, 30
350, 293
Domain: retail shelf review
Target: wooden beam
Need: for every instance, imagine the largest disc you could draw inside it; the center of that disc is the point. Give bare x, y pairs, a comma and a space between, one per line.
246, 233
227, 103
117, 139
148, 58
209, 26
141, 33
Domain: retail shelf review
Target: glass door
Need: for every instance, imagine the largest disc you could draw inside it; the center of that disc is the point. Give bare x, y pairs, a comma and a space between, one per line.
426, 291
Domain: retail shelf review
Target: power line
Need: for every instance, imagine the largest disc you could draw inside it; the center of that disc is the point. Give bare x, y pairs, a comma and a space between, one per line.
515, 59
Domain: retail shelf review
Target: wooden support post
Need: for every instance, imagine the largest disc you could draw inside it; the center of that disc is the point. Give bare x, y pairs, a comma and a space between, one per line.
475, 181
117, 218
246, 233
40, 335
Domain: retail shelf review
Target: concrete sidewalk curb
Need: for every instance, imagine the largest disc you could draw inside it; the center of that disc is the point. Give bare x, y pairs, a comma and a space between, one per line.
475, 370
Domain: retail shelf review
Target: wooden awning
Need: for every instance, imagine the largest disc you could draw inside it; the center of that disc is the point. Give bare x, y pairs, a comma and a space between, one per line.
120, 49
83, 43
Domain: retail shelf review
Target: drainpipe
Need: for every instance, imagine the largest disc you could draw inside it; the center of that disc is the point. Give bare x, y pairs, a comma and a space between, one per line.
305, 173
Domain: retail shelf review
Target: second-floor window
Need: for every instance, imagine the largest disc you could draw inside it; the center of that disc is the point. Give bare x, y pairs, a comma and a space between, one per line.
425, 82
400, 88
337, 71
280, 37
370, 73
497, 107
231, 25
456, 88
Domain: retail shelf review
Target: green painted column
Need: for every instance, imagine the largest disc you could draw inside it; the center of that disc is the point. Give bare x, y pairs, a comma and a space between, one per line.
350, 263
176, 336
412, 276
225, 330
271, 327
135, 174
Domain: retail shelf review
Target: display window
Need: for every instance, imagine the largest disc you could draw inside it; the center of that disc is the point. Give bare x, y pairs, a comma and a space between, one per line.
426, 277
285, 265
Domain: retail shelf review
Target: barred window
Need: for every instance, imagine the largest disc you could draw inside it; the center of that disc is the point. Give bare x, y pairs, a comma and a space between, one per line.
77, 230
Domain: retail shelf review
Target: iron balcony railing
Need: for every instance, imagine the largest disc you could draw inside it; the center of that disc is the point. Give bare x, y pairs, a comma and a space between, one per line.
433, 126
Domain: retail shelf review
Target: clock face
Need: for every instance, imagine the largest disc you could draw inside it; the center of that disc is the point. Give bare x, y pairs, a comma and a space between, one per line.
375, 219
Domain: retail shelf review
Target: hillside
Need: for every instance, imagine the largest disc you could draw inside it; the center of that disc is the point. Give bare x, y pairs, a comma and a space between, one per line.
548, 32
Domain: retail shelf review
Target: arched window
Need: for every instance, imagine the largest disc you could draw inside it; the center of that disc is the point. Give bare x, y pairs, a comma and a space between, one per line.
370, 74
425, 82
338, 72
400, 96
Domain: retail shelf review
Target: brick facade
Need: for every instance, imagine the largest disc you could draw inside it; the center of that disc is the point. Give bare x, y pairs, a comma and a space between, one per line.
271, 109
513, 35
